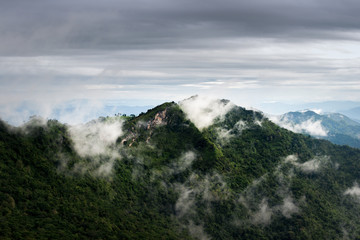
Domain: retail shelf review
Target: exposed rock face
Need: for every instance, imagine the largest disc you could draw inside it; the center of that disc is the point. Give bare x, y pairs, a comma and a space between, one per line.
159, 119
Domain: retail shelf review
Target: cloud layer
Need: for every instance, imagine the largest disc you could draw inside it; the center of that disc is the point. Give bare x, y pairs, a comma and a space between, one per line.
246, 51
58, 26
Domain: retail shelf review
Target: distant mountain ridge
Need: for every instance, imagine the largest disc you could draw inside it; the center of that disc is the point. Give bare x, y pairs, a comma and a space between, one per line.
334, 127
348, 108
354, 113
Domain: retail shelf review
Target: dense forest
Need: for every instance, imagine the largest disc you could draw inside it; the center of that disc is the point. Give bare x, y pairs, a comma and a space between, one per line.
162, 175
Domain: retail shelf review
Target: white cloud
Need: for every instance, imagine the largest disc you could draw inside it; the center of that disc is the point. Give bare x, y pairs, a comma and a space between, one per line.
223, 135
317, 110
198, 189
264, 213
257, 202
288, 207
202, 111
310, 126
185, 202
353, 191
241, 125
310, 166
96, 137
184, 161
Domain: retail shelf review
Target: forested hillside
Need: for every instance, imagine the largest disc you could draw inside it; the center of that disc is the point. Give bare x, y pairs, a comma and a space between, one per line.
179, 171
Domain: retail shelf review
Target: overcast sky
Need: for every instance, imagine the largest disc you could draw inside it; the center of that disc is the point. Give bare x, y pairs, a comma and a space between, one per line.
143, 52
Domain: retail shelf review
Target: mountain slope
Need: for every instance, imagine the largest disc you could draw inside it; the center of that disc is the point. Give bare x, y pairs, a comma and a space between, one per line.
353, 113
334, 127
161, 175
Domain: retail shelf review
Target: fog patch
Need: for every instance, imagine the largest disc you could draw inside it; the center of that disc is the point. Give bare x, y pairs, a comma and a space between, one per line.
95, 142
241, 126
197, 231
185, 202
184, 162
33, 122
106, 168
198, 190
203, 111
223, 135
263, 214
263, 204
176, 166
310, 126
288, 207
353, 191
96, 137
208, 188
310, 166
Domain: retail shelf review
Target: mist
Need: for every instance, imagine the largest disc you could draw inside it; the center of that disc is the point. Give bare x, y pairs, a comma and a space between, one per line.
310, 126
96, 137
203, 111
310, 166
353, 191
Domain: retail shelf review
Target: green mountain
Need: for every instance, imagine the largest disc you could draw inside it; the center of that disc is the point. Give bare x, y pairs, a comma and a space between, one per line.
194, 170
335, 127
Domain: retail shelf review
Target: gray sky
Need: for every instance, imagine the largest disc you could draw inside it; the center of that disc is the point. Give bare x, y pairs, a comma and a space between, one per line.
89, 53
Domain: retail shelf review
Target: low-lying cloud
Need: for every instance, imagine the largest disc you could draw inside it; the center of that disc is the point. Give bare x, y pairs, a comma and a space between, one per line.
310, 166
95, 143
263, 206
198, 189
353, 191
310, 126
225, 135
264, 213
203, 111
96, 137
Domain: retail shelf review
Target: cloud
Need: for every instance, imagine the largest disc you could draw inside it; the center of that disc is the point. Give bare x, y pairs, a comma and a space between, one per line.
224, 135
241, 125
176, 166
263, 207
197, 231
203, 111
185, 202
310, 126
263, 215
197, 190
95, 143
353, 191
184, 162
167, 24
96, 137
309, 166
288, 207
240, 50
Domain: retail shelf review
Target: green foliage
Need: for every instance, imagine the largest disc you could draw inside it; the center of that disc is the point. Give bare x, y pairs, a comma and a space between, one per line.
173, 181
